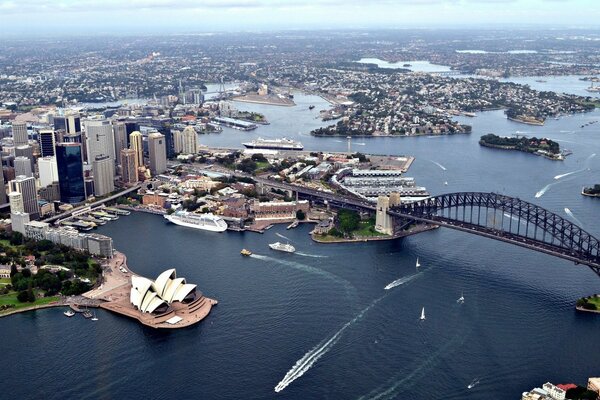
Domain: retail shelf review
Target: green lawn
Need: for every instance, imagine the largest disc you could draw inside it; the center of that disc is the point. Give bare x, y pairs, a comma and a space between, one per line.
596, 301
262, 165
11, 298
4, 281
364, 229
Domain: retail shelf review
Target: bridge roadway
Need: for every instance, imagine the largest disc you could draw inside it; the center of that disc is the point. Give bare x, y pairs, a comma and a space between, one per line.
115, 196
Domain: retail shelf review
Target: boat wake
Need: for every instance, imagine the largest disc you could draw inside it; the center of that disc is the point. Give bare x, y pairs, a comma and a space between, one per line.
312, 356
309, 255
402, 281
307, 268
439, 165
360, 144
543, 190
392, 391
570, 214
282, 236
570, 173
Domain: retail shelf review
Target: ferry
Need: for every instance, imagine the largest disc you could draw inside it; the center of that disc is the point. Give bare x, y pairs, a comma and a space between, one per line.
69, 313
246, 252
274, 144
287, 248
207, 222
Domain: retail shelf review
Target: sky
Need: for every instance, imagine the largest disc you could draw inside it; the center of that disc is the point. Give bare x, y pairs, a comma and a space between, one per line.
163, 16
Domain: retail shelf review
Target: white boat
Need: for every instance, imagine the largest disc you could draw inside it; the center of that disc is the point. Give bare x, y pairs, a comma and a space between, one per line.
473, 383
69, 313
461, 299
274, 144
207, 222
446, 183
94, 318
418, 264
422, 314
288, 248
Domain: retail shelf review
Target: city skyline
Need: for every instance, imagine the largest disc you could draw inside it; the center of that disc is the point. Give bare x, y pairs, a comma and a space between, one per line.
113, 17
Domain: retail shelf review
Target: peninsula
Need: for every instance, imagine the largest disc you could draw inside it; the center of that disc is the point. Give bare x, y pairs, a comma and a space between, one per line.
593, 191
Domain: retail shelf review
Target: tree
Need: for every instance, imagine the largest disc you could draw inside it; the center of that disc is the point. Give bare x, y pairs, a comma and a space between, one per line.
13, 270
23, 296
16, 239
348, 221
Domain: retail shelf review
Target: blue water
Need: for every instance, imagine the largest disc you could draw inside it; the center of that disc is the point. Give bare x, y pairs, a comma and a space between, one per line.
328, 307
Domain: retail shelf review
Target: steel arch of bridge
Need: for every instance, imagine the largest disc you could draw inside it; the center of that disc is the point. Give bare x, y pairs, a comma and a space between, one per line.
507, 219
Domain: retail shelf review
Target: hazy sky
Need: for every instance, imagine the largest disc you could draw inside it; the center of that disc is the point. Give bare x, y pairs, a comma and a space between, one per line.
91, 16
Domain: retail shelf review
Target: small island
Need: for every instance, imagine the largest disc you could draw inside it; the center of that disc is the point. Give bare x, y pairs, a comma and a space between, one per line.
593, 191
541, 147
589, 303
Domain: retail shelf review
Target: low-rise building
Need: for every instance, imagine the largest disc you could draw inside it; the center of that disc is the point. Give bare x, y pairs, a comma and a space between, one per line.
278, 210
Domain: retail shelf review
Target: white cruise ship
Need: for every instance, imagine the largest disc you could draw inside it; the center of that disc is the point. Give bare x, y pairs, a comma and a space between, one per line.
274, 144
288, 248
207, 222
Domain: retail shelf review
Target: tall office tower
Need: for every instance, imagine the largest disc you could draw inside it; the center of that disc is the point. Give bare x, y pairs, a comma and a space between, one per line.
99, 139
19, 133
70, 123
121, 138
129, 173
103, 169
2, 189
131, 127
135, 139
18, 221
23, 166
26, 186
157, 151
15, 199
169, 140
47, 170
69, 164
27, 152
47, 141
190, 140
177, 141
51, 192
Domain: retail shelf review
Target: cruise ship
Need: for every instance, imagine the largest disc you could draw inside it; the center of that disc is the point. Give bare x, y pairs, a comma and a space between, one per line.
274, 144
288, 248
207, 222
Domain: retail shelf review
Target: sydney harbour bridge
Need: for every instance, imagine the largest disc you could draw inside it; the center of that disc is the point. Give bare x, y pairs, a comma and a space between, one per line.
490, 215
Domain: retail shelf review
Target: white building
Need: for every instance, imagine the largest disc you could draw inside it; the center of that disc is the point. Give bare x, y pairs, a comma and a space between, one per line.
189, 141
157, 151
103, 168
18, 221
48, 171
15, 199
99, 139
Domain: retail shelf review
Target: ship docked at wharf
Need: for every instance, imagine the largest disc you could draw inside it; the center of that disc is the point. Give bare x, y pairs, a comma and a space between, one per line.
207, 222
274, 144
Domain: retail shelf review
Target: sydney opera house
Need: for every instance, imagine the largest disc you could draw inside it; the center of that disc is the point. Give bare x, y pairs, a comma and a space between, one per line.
167, 302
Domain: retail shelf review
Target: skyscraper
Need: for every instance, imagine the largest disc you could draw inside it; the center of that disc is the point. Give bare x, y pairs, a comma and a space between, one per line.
129, 173
103, 168
70, 172
26, 186
157, 151
121, 138
99, 139
15, 199
27, 152
23, 166
70, 123
47, 170
190, 140
135, 139
47, 142
19, 133
169, 140
18, 221
2, 189
178, 141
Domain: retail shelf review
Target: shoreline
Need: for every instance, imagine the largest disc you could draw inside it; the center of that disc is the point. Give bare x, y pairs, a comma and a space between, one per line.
410, 232
513, 148
522, 121
337, 135
268, 102
589, 195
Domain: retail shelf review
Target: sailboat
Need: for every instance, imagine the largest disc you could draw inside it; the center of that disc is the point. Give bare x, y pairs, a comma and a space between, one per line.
418, 264
461, 299
423, 314
94, 318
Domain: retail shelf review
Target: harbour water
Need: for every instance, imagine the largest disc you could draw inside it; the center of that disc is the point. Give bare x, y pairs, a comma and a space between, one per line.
319, 323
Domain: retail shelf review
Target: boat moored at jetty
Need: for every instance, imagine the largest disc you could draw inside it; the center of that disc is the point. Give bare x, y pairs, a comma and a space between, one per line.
207, 222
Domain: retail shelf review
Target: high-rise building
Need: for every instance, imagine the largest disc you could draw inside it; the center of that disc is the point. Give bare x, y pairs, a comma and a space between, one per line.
26, 186
23, 166
19, 133
99, 139
178, 141
15, 200
135, 140
121, 138
190, 140
129, 172
70, 172
2, 189
18, 221
70, 123
103, 168
26, 151
47, 170
51, 192
169, 140
47, 141
157, 151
